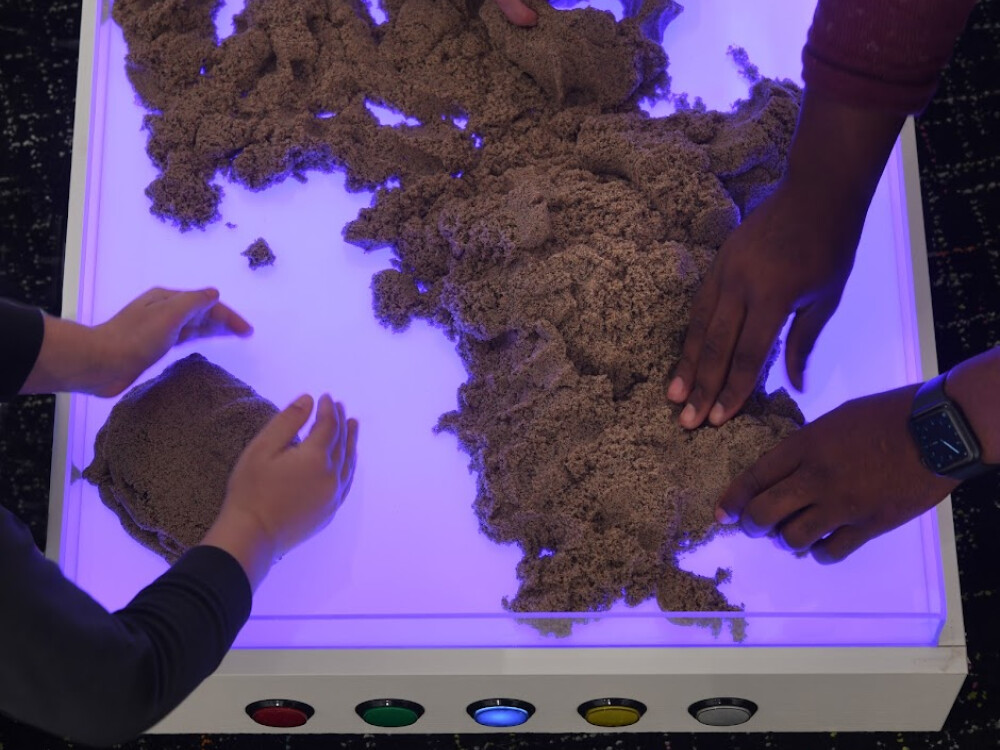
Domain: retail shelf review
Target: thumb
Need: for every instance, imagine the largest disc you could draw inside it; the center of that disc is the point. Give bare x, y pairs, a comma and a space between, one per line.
284, 427
806, 327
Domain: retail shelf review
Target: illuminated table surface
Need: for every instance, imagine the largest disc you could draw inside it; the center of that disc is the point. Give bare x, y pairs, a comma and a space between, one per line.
401, 593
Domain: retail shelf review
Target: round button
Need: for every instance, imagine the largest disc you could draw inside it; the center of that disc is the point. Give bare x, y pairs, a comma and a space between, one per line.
389, 712
723, 712
500, 712
612, 712
280, 713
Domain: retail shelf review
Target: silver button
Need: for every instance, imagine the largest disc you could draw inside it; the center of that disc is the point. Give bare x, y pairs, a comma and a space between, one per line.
723, 712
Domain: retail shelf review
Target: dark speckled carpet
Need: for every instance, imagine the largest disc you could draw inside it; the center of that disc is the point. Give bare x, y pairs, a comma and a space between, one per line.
959, 141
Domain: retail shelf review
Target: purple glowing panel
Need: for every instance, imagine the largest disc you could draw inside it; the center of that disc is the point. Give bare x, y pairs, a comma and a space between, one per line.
224, 26
403, 564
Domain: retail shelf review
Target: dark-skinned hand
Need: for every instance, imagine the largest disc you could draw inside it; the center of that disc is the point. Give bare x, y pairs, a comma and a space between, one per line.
851, 475
792, 255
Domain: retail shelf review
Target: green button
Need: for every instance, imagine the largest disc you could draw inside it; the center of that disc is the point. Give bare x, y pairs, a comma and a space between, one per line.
390, 716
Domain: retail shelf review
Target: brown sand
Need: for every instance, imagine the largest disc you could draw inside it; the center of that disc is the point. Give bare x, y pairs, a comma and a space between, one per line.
259, 254
163, 458
561, 255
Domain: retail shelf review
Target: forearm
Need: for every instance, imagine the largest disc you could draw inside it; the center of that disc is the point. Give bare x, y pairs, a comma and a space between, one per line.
973, 384
73, 669
839, 151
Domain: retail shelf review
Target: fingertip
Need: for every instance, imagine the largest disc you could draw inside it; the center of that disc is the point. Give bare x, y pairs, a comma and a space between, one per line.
676, 392
210, 293
821, 556
303, 403
241, 326
688, 417
724, 517
325, 406
518, 13
718, 415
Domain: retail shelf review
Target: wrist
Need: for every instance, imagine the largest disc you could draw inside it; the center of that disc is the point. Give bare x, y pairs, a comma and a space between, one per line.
840, 151
242, 536
69, 359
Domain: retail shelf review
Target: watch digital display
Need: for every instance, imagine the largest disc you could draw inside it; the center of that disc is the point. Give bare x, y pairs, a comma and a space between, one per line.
944, 447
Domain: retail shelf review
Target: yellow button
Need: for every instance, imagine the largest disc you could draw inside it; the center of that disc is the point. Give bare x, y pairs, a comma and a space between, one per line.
612, 716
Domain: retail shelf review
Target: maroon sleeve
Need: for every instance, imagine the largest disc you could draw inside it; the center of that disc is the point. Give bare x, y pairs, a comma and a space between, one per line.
885, 54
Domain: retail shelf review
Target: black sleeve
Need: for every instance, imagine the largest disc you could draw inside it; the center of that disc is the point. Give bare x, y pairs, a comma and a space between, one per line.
71, 668
21, 331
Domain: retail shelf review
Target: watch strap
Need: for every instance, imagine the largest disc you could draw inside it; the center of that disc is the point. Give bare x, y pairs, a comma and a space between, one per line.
930, 394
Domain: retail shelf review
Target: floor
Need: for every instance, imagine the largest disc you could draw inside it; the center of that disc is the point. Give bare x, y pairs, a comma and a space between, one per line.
959, 142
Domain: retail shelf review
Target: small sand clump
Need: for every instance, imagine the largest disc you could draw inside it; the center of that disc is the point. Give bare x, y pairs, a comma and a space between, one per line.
537, 215
259, 254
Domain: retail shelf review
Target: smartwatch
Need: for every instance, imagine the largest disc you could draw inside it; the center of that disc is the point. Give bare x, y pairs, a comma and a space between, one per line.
947, 444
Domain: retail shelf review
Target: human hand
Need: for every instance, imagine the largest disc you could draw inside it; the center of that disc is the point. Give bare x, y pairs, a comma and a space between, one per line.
518, 13
281, 494
148, 327
793, 254
106, 359
851, 475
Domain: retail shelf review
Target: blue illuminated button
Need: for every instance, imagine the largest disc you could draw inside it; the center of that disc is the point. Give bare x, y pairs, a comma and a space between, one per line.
501, 716
500, 712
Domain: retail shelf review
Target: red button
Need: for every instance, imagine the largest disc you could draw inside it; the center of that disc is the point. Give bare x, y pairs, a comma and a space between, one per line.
280, 716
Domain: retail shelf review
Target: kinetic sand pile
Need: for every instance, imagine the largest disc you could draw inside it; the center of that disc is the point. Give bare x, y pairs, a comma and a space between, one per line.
548, 225
163, 458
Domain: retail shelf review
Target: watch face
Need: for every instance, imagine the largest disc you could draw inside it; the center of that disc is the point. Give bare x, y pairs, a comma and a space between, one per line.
941, 443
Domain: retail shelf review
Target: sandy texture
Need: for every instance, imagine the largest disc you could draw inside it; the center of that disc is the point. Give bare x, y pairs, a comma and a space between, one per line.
259, 254
163, 458
549, 226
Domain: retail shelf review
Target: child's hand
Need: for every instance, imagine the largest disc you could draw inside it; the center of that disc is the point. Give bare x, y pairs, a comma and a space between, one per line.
106, 359
281, 494
147, 328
